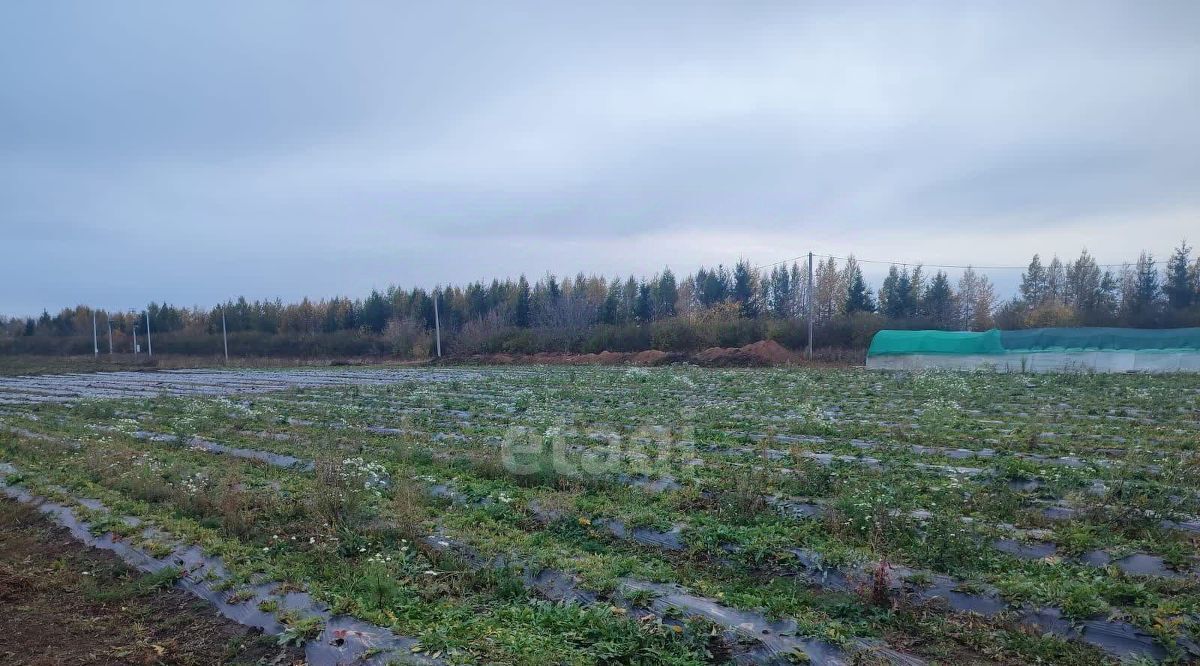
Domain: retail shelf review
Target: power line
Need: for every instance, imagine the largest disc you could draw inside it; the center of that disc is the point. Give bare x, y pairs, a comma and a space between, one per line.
908, 263
893, 262
973, 266
785, 261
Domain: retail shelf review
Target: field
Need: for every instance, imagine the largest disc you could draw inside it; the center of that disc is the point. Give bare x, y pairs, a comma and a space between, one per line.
677, 515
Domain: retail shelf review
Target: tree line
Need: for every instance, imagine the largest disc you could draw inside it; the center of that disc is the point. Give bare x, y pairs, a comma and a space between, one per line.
715, 306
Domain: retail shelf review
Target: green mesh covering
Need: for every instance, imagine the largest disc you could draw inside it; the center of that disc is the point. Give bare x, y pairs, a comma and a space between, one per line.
1034, 340
936, 342
1127, 339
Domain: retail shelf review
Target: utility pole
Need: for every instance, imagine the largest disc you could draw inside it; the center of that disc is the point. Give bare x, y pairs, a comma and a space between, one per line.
437, 324
110, 347
95, 342
135, 345
810, 305
150, 345
224, 335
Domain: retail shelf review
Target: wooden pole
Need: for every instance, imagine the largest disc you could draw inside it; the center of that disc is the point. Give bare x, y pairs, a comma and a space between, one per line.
810, 305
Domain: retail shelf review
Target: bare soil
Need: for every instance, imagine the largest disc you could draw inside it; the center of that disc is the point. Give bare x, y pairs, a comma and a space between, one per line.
66, 603
759, 354
764, 353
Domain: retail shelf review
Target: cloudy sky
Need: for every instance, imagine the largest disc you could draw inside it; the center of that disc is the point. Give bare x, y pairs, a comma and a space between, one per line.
194, 151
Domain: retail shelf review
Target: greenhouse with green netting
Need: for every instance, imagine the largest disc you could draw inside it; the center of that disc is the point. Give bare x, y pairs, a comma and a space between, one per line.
1039, 350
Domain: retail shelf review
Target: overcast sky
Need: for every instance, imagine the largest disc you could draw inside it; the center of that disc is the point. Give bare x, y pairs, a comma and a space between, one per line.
190, 152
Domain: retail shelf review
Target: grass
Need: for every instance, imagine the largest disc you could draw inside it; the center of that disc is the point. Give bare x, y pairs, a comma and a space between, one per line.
68, 603
136, 587
878, 454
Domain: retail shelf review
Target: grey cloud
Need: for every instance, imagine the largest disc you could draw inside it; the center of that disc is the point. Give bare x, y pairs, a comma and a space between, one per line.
309, 148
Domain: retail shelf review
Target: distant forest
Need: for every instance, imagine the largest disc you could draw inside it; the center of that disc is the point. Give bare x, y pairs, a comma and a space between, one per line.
714, 307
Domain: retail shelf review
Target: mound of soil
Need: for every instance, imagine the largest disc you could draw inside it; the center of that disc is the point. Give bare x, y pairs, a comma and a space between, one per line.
759, 354
493, 359
652, 357
612, 358
770, 351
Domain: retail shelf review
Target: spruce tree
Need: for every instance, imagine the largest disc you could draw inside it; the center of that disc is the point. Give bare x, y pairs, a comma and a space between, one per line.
644, 309
1056, 282
1083, 282
1034, 283
891, 297
375, 312
1144, 291
939, 301
665, 295
521, 308
1179, 284
858, 295
744, 288
781, 292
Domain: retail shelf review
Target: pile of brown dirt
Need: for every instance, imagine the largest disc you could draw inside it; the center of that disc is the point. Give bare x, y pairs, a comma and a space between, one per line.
652, 357
770, 351
759, 354
612, 358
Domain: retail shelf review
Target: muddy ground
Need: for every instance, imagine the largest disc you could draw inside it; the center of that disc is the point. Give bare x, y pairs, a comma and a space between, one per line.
64, 603
765, 353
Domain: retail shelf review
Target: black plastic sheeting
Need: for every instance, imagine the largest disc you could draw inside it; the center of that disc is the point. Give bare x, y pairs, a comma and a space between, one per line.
343, 639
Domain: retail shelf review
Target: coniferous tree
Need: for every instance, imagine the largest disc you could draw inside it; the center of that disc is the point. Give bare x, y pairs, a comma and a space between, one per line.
893, 293
702, 291
1034, 283
780, 291
858, 295
1195, 280
938, 301
644, 309
1139, 292
744, 288
610, 311
916, 293
1109, 289
629, 299
521, 309
1078, 292
665, 295
1083, 283
799, 289
1147, 289
375, 312
476, 301
712, 286
906, 295
1179, 290
1056, 281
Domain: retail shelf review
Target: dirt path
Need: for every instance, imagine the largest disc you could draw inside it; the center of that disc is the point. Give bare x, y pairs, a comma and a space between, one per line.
64, 603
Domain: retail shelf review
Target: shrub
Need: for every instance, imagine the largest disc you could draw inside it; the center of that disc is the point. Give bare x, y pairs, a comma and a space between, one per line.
339, 497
